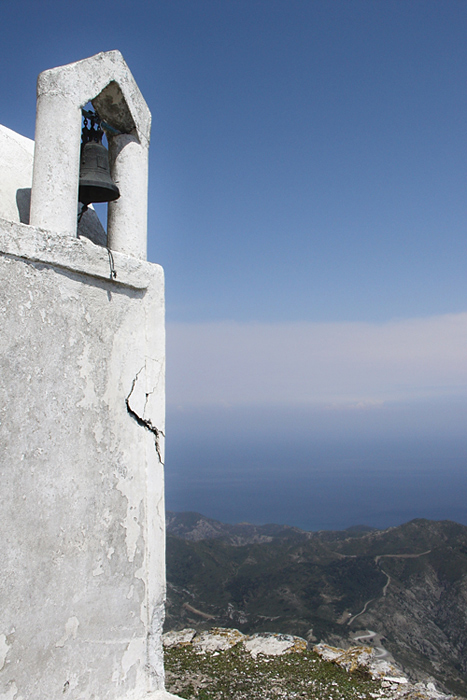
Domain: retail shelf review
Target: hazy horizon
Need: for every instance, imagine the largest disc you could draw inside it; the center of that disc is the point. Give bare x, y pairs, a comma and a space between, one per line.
322, 426
330, 482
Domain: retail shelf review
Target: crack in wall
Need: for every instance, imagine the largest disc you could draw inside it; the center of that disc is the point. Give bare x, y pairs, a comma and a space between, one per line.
146, 422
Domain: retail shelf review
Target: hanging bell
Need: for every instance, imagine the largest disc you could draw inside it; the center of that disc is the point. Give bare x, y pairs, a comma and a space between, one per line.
95, 183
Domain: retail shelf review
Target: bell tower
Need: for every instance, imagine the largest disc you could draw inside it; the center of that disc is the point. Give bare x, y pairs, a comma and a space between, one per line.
82, 358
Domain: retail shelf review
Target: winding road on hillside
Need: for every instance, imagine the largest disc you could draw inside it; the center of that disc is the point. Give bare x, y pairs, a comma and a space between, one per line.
385, 587
380, 652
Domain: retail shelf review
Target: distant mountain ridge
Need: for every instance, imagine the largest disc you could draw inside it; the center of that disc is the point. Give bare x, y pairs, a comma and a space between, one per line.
407, 584
195, 527
189, 525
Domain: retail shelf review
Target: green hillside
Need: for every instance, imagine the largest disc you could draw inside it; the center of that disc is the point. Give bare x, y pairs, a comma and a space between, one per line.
408, 584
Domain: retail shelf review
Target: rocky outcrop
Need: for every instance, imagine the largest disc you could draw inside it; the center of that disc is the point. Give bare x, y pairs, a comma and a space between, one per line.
378, 678
393, 682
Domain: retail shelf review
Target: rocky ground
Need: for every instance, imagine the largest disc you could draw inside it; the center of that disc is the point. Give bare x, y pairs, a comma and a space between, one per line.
224, 664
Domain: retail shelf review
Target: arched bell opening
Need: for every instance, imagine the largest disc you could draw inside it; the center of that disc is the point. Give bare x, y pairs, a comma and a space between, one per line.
96, 187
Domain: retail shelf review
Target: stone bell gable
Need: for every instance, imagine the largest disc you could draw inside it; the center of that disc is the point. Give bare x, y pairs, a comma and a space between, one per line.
106, 81
82, 359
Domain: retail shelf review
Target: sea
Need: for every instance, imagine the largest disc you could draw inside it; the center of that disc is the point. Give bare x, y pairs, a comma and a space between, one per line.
319, 484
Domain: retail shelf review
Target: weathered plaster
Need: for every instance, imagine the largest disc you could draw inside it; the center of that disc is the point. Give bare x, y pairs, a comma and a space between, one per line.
16, 159
144, 402
4, 649
82, 508
127, 217
71, 254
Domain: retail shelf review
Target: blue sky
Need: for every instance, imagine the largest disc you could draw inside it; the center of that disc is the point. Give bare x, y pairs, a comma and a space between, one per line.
308, 203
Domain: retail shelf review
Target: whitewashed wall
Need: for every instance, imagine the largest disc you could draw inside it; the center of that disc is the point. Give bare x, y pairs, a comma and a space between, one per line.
82, 353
